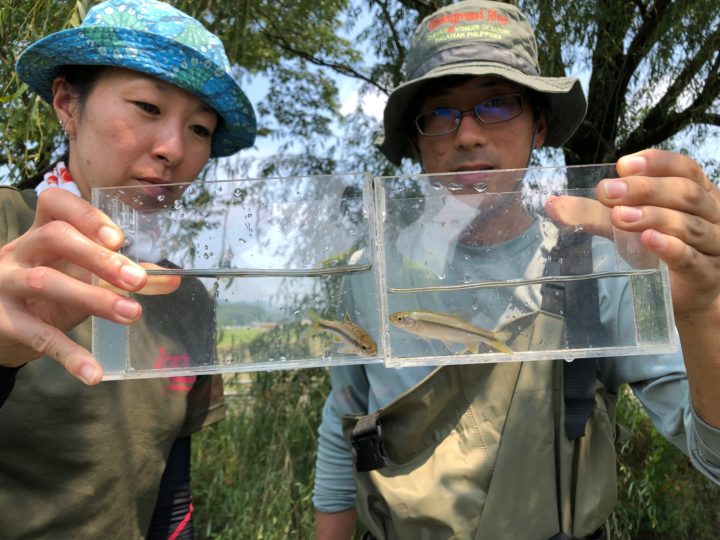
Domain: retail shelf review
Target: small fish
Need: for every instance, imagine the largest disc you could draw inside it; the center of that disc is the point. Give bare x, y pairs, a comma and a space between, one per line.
449, 329
355, 340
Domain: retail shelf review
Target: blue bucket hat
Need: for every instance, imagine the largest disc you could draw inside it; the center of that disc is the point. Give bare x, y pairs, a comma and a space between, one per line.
153, 38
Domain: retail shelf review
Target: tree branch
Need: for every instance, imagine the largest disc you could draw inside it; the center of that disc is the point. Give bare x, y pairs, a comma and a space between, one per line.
643, 40
661, 113
342, 69
553, 40
712, 119
399, 47
423, 7
642, 8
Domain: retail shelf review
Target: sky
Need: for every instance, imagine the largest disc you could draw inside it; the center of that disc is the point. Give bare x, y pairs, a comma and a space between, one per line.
374, 103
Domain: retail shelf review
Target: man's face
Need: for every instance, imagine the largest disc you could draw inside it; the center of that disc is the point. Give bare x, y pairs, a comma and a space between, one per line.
475, 145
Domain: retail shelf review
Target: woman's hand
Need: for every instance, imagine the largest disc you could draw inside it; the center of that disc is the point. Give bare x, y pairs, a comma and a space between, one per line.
45, 284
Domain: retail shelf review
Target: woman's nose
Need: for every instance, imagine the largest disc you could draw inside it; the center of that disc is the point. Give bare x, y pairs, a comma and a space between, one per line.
169, 145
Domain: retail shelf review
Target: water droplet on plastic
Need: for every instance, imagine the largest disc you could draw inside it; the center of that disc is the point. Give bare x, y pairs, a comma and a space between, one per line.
436, 185
480, 187
237, 192
475, 304
578, 228
455, 187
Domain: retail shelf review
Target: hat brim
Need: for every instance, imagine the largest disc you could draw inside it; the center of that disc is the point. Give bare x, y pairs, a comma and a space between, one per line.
566, 100
151, 54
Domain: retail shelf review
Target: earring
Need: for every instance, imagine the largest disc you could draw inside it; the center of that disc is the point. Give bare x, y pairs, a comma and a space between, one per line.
67, 134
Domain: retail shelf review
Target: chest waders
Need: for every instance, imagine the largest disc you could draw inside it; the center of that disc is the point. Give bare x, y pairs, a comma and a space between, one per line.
514, 450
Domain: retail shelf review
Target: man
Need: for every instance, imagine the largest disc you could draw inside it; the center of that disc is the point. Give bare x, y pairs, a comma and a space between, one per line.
479, 451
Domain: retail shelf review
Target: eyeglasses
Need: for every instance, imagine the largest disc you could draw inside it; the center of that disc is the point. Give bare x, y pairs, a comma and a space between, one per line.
494, 110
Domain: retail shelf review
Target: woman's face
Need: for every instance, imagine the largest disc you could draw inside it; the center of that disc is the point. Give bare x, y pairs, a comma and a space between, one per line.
134, 130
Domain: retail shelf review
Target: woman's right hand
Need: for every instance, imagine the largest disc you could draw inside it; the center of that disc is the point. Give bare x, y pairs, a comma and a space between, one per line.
46, 289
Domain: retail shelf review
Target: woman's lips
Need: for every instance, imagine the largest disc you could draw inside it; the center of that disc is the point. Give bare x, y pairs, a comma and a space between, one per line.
155, 187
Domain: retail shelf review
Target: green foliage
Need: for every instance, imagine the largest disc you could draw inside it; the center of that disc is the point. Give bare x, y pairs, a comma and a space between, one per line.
241, 313
253, 473
660, 494
644, 90
29, 135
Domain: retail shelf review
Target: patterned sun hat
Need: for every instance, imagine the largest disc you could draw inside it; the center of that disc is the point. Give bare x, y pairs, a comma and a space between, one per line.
476, 38
156, 39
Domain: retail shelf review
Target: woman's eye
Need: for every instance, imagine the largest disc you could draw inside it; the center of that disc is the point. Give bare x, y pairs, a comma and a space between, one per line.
202, 131
148, 107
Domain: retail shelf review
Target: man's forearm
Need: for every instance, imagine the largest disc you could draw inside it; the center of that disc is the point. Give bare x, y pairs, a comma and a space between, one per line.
336, 525
700, 338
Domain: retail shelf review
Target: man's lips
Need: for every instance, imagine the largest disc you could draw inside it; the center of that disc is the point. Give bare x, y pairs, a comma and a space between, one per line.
470, 175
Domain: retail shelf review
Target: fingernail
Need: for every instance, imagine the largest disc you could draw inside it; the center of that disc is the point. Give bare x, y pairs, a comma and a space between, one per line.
633, 164
658, 240
89, 374
614, 189
132, 275
127, 308
630, 214
109, 236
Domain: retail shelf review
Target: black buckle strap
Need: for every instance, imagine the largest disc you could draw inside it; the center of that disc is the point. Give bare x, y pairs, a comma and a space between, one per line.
367, 444
597, 535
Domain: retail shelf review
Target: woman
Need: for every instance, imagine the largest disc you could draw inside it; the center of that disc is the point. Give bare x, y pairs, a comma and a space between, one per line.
144, 95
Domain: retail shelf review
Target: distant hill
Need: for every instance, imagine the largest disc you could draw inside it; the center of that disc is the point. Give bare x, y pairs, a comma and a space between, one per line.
244, 313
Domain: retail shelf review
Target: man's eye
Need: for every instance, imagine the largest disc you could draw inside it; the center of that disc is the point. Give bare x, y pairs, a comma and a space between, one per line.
442, 112
147, 107
495, 102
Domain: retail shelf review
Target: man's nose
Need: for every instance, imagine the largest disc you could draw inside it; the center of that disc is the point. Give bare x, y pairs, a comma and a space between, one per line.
470, 131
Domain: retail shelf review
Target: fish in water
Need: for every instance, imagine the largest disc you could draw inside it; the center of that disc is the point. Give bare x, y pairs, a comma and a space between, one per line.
355, 339
449, 329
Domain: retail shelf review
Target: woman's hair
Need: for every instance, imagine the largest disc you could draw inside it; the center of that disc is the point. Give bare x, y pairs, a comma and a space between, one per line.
82, 80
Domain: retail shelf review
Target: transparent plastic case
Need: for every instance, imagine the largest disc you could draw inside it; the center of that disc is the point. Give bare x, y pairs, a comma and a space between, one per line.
262, 265
288, 273
512, 265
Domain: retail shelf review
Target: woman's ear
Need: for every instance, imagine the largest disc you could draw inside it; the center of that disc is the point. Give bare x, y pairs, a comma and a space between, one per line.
65, 105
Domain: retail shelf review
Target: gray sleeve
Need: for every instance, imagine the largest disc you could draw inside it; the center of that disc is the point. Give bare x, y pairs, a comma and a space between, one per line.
660, 383
334, 478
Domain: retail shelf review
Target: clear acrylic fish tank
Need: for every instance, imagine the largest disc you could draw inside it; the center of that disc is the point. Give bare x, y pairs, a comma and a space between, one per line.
316, 271
513, 265
262, 265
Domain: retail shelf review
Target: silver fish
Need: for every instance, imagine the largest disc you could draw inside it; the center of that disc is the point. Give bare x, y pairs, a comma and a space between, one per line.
449, 329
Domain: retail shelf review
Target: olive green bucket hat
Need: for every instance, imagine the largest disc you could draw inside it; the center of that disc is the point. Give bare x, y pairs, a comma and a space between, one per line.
476, 38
